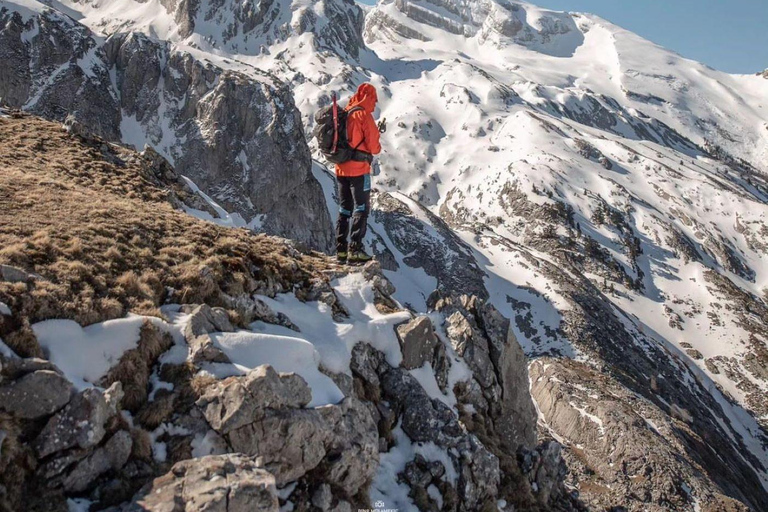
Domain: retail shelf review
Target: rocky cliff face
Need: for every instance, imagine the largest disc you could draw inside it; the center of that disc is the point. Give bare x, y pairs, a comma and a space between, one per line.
238, 137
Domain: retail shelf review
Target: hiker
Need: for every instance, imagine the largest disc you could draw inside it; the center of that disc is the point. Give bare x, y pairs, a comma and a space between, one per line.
353, 177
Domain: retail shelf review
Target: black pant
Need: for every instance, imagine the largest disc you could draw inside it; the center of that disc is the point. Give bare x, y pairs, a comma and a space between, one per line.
355, 202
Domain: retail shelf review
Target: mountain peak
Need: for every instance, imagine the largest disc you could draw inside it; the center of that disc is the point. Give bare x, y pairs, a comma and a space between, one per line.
489, 21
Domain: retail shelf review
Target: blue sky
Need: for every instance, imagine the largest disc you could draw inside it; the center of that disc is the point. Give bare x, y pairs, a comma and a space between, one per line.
730, 35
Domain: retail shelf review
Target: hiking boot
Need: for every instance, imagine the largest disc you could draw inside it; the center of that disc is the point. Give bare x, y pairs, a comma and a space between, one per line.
341, 257
359, 257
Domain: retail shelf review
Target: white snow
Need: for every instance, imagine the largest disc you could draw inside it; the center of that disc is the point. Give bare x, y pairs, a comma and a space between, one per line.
334, 341
203, 445
274, 345
78, 504
86, 354
385, 486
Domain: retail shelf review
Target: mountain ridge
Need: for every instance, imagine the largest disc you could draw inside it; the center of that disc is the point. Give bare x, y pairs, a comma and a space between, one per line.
607, 196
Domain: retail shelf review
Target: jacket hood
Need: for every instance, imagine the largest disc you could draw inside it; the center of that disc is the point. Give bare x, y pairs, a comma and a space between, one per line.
365, 97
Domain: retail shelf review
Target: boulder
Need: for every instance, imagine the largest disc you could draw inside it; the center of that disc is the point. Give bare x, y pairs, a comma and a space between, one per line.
417, 342
81, 423
352, 450
287, 442
424, 419
220, 483
238, 401
203, 321
262, 414
17, 275
111, 456
36, 394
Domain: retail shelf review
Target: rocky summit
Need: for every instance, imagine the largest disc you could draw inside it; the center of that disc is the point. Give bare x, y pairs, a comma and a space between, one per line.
567, 310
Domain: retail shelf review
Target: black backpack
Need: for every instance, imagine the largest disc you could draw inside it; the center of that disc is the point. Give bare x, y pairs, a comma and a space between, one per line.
331, 134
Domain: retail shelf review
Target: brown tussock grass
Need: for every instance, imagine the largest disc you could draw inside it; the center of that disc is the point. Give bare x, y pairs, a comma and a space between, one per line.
135, 366
97, 224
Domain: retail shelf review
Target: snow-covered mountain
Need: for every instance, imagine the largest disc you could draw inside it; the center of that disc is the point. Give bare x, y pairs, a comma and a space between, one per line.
607, 195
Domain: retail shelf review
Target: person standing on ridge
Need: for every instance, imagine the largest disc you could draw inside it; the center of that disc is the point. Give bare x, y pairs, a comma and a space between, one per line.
353, 177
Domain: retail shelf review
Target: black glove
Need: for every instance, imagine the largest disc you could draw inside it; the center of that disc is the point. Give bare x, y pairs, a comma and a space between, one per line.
382, 126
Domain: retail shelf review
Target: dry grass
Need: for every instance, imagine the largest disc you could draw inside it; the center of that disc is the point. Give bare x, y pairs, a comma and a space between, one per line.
96, 223
135, 366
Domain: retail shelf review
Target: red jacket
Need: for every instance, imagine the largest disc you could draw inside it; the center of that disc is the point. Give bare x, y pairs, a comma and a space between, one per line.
362, 130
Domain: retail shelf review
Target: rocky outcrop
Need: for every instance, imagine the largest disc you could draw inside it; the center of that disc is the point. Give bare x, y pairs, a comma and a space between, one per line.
262, 414
54, 441
181, 106
226, 483
498, 391
603, 424
490, 22
417, 342
203, 321
249, 29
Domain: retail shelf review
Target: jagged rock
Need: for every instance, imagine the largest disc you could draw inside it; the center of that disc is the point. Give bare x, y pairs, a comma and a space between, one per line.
417, 341
424, 419
472, 346
80, 423
479, 475
480, 334
353, 449
36, 394
430, 244
288, 442
112, 456
320, 290
545, 468
261, 414
608, 423
203, 321
226, 483
260, 311
17, 275
239, 401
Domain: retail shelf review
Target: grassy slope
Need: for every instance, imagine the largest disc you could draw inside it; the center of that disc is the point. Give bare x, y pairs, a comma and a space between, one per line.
98, 226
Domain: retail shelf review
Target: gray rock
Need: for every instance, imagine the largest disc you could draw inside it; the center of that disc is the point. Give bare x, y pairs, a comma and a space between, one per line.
203, 321
226, 483
424, 419
417, 342
112, 456
35, 395
429, 243
353, 447
239, 138
479, 475
238, 401
261, 414
322, 497
482, 336
287, 442
472, 346
17, 275
80, 424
